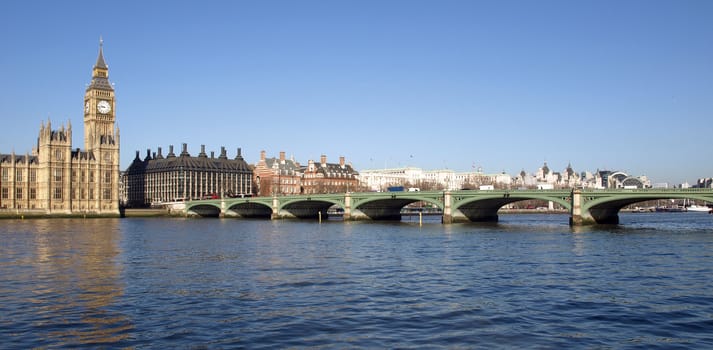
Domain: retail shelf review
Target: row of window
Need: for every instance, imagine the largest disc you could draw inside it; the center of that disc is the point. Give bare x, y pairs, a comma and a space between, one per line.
57, 175
57, 193
5, 193
328, 183
19, 174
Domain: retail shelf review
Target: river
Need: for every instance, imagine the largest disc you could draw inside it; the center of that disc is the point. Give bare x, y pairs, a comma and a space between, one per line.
529, 281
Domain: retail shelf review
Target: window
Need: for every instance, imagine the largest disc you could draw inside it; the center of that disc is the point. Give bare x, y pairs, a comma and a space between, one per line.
58, 154
91, 176
57, 193
18, 193
33, 193
57, 174
82, 194
5, 193
18, 175
91, 193
33, 175
107, 177
5, 174
84, 176
74, 176
107, 193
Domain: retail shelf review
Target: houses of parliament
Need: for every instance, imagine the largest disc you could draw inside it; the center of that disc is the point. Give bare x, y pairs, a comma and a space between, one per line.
59, 179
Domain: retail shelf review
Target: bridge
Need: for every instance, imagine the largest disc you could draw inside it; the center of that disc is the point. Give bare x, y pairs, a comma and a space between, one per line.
586, 207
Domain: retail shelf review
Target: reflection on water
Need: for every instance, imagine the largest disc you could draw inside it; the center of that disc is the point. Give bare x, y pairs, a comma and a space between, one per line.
62, 275
529, 281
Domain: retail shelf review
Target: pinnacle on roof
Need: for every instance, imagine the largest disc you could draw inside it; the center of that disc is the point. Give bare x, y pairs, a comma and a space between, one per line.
100, 59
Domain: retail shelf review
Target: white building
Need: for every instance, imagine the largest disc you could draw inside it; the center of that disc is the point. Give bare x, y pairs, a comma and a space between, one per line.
380, 179
441, 179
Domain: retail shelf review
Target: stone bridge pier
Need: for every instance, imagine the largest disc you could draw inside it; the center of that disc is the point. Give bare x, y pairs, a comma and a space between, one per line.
577, 217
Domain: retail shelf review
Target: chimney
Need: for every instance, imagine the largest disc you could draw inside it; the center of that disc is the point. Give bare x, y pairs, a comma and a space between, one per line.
223, 155
170, 151
202, 154
184, 153
212, 154
262, 155
341, 161
240, 154
148, 154
159, 152
282, 156
323, 159
137, 155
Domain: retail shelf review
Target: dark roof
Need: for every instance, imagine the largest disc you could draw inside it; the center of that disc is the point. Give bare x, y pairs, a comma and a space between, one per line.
186, 162
333, 169
83, 155
100, 83
288, 167
7, 158
100, 59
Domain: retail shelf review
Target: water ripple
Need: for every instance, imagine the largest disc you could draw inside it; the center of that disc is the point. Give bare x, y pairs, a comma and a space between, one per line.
528, 282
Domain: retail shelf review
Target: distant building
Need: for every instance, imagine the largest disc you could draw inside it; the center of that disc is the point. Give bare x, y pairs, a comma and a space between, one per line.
381, 179
441, 179
277, 176
323, 177
58, 179
704, 183
282, 176
158, 179
617, 179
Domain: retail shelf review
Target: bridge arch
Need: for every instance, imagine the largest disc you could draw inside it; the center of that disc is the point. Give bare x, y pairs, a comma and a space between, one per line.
249, 209
380, 208
485, 207
307, 208
604, 208
203, 210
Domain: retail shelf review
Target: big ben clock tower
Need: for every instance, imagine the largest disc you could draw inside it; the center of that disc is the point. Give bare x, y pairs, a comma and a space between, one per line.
99, 103
101, 138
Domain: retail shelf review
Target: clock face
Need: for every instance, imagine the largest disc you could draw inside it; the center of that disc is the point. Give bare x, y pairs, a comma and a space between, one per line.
103, 107
86, 107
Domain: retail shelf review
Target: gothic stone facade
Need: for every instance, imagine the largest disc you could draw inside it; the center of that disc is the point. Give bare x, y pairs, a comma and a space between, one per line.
57, 179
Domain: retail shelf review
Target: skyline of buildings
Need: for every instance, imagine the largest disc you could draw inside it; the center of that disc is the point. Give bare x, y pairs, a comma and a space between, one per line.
57, 178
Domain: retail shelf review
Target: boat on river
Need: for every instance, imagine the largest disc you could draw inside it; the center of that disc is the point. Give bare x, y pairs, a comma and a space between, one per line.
698, 208
671, 209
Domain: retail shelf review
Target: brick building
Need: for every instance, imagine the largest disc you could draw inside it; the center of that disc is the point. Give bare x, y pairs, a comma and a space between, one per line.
323, 177
282, 176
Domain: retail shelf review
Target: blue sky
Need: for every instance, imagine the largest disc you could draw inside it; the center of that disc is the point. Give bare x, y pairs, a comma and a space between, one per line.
502, 85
